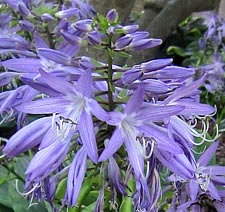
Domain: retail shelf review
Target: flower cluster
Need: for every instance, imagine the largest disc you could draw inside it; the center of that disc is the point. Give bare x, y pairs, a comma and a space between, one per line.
125, 123
212, 43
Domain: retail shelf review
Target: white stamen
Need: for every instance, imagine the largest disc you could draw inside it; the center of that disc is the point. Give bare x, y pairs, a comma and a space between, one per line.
29, 192
7, 116
203, 179
31, 200
199, 153
147, 170
114, 205
2, 156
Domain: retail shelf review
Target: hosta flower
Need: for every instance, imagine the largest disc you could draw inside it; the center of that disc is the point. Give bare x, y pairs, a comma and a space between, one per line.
27, 138
148, 123
11, 99
115, 176
131, 124
214, 80
74, 103
205, 181
46, 161
112, 15
76, 176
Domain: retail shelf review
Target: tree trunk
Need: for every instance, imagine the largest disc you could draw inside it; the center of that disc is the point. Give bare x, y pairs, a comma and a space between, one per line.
166, 21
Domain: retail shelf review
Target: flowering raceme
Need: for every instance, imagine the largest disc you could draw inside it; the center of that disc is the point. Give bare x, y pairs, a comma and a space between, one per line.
94, 119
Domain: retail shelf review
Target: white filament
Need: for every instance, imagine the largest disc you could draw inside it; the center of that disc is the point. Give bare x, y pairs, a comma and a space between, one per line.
29, 192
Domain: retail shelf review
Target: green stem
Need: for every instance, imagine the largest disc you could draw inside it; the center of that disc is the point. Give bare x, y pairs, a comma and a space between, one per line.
13, 172
50, 38
110, 75
111, 105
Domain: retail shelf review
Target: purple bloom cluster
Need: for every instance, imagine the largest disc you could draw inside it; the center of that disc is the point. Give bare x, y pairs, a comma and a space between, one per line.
100, 113
214, 65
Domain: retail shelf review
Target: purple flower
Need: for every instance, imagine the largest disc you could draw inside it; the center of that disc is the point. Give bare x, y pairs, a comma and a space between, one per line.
67, 13
95, 37
46, 17
11, 99
123, 42
24, 11
115, 176
131, 124
46, 160
73, 39
100, 201
214, 80
26, 25
112, 15
130, 29
86, 9
84, 25
7, 77
205, 181
138, 71
141, 197
141, 44
76, 176
27, 138
73, 103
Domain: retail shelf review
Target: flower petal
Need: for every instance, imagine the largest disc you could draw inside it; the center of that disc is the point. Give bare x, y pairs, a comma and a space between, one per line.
194, 108
86, 130
84, 83
114, 144
134, 104
162, 140
44, 106
193, 189
135, 158
47, 160
76, 176
97, 110
184, 91
28, 137
158, 112
23, 65
57, 83
206, 157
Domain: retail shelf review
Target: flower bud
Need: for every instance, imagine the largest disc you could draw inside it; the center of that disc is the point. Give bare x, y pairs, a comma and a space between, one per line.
95, 37
23, 10
84, 25
73, 39
123, 42
155, 64
46, 17
112, 15
130, 29
26, 25
67, 13
143, 44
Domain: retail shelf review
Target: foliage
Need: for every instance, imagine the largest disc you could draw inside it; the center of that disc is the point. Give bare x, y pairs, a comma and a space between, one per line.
83, 135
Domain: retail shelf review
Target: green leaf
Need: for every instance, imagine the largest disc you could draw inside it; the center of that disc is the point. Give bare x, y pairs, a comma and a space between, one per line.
84, 193
111, 53
127, 203
89, 208
3, 175
124, 54
61, 189
21, 166
20, 203
103, 23
5, 209
176, 50
4, 197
